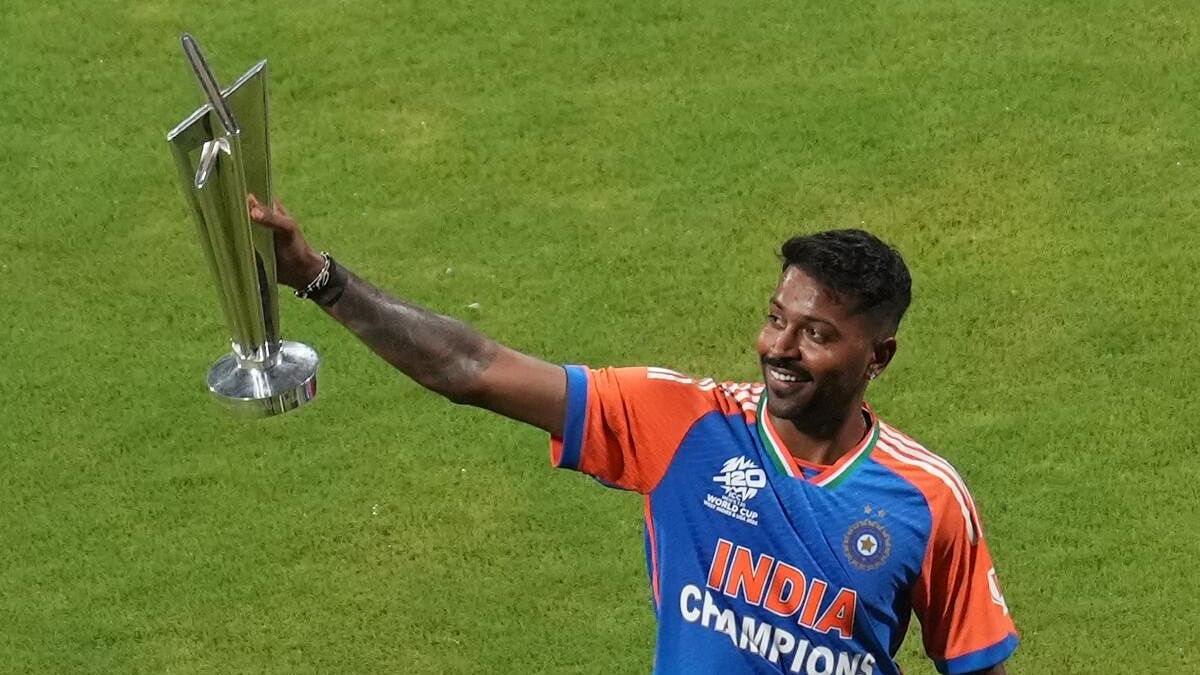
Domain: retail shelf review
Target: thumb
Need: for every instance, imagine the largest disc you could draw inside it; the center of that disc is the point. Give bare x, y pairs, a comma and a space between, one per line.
266, 216
257, 212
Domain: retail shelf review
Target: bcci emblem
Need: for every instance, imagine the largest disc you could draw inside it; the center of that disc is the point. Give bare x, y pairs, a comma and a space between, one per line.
867, 545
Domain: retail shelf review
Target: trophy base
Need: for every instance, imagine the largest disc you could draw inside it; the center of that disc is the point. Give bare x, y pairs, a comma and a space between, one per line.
263, 392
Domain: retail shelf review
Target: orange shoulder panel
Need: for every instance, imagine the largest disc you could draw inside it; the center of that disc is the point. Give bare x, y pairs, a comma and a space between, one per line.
634, 419
957, 596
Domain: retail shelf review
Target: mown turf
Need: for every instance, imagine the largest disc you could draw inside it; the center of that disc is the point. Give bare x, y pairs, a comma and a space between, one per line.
608, 182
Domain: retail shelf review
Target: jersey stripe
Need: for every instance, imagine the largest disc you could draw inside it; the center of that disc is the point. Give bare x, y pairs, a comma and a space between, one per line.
887, 446
911, 448
653, 540
653, 373
907, 442
746, 395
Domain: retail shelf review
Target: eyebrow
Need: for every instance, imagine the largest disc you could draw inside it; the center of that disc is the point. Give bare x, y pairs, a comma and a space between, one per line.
807, 317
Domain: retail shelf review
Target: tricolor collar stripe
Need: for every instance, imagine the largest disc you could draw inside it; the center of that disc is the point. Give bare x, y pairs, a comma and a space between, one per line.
832, 476
775, 451
837, 474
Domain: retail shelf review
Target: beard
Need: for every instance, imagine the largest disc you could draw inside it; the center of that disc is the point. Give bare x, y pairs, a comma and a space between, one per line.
817, 406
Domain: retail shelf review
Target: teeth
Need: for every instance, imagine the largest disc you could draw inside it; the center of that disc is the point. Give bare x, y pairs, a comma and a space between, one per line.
783, 377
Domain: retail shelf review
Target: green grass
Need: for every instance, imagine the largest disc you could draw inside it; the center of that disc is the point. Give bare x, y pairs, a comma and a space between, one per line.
609, 182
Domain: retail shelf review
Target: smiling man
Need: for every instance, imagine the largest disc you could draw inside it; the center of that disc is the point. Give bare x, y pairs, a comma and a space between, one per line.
788, 528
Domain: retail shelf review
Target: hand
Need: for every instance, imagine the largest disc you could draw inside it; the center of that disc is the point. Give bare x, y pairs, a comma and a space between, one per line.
296, 262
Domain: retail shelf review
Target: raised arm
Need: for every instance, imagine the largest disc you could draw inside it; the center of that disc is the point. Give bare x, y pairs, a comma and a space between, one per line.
440, 353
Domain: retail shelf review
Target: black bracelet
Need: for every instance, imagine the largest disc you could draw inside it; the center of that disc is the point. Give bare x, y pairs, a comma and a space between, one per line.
329, 285
332, 291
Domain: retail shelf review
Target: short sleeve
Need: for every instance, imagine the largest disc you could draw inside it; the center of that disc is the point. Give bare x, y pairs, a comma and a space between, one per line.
623, 425
964, 618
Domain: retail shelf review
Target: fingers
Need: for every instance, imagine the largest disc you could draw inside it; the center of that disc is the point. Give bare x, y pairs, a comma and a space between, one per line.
257, 213
275, 217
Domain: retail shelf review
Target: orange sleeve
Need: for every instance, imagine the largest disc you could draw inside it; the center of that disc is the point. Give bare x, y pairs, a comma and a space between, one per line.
623, 425
964, 618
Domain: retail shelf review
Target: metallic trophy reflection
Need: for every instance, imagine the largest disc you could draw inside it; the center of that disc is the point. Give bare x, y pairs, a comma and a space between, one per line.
223, 154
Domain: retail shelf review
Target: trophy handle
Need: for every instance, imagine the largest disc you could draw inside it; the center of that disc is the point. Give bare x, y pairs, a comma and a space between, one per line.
209, 84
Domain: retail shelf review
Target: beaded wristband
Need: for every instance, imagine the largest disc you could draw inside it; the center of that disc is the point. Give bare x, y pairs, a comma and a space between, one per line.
328, 286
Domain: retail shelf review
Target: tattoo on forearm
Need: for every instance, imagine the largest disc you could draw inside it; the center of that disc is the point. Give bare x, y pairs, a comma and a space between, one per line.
439, 352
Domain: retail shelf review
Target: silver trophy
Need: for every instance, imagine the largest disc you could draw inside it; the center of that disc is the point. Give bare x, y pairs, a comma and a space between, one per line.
223, 154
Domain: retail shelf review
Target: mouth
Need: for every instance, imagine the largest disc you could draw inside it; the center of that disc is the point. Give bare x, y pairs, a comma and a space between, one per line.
786, 377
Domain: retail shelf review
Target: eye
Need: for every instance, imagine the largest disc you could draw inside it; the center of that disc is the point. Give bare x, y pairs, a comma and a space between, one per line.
816, 334
774, 320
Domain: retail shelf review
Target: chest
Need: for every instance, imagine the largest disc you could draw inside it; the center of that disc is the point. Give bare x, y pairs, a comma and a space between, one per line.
724, 515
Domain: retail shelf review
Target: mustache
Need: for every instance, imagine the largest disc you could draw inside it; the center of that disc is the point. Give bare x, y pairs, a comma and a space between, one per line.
789, 365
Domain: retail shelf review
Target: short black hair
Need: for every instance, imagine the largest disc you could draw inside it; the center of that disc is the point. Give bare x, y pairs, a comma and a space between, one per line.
857, 266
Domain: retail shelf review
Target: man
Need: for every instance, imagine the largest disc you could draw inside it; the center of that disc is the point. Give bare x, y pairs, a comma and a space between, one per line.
788, 528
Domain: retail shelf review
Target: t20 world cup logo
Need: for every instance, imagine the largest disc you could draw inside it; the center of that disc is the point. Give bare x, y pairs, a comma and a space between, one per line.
741, 478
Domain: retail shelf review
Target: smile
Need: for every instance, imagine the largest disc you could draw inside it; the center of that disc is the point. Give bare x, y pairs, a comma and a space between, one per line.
784, 376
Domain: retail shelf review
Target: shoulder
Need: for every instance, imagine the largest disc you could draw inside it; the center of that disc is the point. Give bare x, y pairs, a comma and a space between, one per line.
945, 492
664, 387
728, 397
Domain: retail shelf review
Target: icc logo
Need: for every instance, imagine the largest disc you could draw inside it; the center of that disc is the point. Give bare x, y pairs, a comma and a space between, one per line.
741, 478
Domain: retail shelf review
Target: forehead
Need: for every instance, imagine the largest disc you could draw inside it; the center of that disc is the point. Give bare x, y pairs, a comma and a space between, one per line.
799, 293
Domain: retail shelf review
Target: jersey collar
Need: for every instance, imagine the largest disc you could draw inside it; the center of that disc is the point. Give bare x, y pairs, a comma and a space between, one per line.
832, 475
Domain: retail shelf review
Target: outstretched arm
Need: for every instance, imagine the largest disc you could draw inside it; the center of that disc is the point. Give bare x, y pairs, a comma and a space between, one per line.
440, 353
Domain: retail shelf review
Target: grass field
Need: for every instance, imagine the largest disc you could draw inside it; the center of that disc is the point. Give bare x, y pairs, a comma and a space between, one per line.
608, 181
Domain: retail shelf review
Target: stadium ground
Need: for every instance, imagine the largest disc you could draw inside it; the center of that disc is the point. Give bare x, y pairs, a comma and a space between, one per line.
604, 183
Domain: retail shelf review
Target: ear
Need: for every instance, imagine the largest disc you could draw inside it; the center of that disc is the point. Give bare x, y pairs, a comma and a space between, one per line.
881, 355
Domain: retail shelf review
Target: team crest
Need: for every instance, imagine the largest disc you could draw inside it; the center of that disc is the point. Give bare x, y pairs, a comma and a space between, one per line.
867, 545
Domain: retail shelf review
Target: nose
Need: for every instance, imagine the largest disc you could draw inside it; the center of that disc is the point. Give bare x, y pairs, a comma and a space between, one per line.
785, 345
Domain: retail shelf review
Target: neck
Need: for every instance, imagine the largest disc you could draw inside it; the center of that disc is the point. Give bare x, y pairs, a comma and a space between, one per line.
824, 442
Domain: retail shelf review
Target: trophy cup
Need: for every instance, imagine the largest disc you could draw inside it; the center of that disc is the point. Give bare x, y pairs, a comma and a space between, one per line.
223, 154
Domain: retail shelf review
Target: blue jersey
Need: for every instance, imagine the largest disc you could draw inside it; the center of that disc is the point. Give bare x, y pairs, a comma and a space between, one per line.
761, 565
